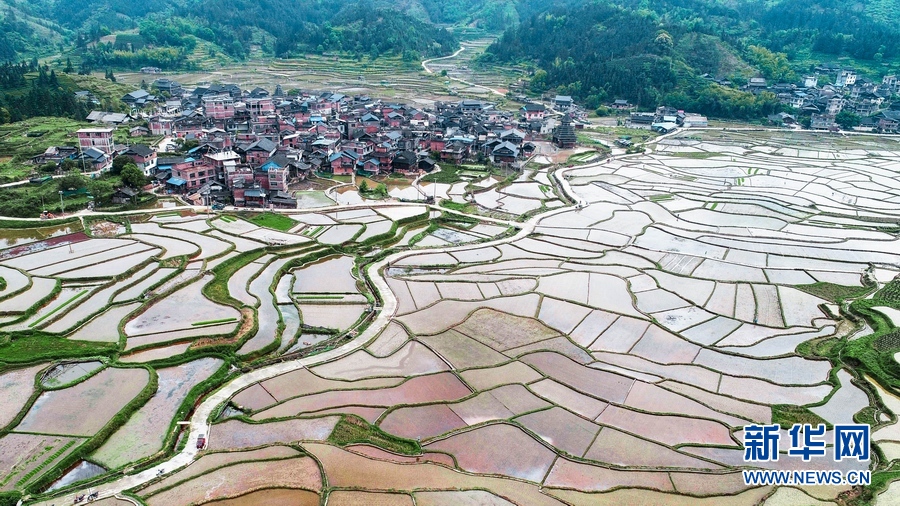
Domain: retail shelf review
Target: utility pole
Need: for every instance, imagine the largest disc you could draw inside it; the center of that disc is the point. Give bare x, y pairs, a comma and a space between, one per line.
62, 206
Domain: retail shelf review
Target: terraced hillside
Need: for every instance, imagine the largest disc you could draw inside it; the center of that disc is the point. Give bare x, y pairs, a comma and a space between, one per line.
610, 352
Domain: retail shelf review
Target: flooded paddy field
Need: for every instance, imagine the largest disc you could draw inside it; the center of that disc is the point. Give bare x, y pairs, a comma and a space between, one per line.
607, 353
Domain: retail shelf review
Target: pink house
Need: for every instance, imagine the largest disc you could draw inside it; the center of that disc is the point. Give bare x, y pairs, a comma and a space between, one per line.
534, 112
343, 163
194, 172
218, 107
97, 138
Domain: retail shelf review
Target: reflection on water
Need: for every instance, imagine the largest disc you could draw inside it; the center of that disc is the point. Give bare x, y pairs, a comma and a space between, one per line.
347, 196
312, 199
12, 237
82, 471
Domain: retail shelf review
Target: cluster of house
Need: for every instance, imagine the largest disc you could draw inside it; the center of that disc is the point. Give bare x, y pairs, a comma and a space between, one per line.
252, 144
665, 119
844, 90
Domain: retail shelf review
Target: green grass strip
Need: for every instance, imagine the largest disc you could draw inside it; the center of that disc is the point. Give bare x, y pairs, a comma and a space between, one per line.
319, 297
275, 221
64, 304
213, 322
168, 215
228, 219
833, 292
45, 463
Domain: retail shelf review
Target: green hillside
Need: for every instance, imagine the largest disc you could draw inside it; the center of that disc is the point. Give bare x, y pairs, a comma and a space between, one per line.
656, 52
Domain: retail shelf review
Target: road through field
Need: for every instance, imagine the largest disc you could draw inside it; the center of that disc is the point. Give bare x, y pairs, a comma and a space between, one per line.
457, 79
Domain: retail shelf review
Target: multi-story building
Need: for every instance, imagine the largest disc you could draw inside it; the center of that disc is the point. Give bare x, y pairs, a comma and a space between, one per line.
260, 107
97, 138
218, 107
845, 78
222, 160
194, 172
144, 157
160, 126
278, 179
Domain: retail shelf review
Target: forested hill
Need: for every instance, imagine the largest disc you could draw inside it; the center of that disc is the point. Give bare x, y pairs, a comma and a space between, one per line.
165, 31
651, 52
637, 49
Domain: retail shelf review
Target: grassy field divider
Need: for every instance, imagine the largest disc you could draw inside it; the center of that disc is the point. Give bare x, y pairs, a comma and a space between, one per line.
35, 393
81, 379
36, 306
375, 239
13, 223
224, 466
217, 289
213, 322
273, 220
58, 308
221, 376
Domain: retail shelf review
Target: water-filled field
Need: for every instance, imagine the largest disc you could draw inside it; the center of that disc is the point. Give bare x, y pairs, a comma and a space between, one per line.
605, 353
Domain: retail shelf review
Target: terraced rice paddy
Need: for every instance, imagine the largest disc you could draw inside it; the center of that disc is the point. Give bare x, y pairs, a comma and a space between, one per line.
605, 353
655, 319
82, 409
145, 431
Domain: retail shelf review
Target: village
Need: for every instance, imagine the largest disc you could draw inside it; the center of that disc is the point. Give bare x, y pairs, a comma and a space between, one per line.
830, 90
223, 145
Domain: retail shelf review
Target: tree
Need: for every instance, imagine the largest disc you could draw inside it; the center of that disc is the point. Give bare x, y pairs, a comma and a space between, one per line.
69, 68
133, 176
189, 145
48, 167
102, 190
71, 181
364, 186
381, 190
773, 65
68, 165
847, 120
120, 162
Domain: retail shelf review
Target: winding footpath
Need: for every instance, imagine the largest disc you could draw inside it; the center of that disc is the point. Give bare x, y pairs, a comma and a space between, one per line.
457, 79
